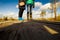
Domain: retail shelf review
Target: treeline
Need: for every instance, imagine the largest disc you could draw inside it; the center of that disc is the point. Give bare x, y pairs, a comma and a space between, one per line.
6, 19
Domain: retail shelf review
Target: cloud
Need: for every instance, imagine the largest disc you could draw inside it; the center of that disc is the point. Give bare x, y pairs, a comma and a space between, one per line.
10, 14
1, 15
38, 4
46, 6
36, 11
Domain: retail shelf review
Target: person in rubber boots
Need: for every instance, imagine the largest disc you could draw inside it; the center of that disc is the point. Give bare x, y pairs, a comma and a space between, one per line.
21, 6
30, 5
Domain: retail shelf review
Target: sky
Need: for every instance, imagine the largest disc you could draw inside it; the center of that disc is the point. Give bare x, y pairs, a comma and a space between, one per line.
8, 7
10, 4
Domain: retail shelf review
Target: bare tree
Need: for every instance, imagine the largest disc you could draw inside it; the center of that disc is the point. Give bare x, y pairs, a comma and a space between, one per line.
53, 5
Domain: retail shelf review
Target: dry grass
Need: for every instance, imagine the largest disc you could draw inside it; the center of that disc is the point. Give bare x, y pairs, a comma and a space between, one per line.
7, 23
16, 21
50, 19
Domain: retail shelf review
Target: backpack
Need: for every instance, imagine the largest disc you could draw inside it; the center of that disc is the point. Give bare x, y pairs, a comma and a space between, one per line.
21, 2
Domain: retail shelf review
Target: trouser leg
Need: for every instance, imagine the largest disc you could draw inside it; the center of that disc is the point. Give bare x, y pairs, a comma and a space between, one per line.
27, 15
30, 12
21, 12
28, 9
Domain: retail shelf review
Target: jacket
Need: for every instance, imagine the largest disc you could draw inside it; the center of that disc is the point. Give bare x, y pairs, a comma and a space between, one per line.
29, 1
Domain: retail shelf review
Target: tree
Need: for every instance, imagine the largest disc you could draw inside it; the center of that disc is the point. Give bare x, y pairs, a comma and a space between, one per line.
53, 5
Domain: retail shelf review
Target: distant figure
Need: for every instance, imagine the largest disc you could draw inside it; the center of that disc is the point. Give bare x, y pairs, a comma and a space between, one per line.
21, 8
30, 5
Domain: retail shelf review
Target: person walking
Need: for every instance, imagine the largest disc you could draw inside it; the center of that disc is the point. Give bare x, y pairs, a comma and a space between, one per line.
21, 6
30, 5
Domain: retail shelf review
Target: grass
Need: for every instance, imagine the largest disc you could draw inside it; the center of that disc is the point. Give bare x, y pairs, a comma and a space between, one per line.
49, 19
2, 25
16, 21
44, 19
52, 19
5, 24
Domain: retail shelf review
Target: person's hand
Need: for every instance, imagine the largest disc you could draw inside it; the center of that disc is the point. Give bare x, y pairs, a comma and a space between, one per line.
33, 6
21, 3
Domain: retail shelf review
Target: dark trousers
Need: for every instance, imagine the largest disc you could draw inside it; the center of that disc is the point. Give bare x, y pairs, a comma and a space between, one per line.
29, 11
21, 10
